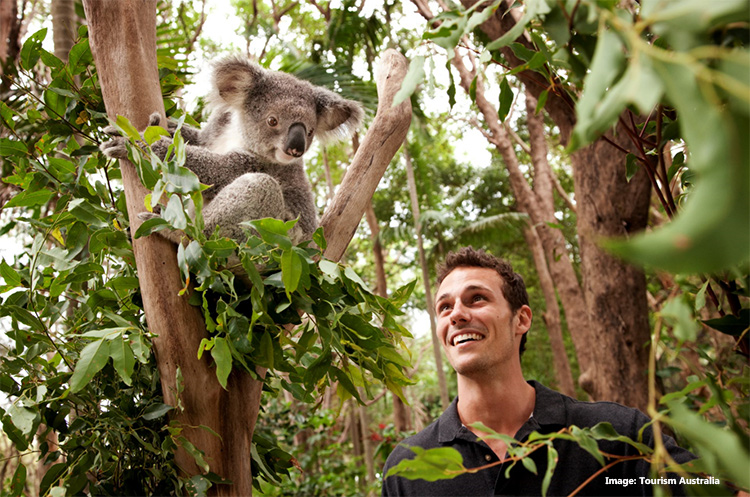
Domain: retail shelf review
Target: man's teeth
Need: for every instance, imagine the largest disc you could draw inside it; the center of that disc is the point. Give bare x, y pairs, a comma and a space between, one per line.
465, 337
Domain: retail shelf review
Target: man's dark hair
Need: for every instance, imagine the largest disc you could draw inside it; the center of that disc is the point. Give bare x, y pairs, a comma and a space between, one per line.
514, 289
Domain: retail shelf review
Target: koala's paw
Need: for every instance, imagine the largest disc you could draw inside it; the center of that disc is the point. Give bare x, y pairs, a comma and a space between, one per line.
115, 148
145, 216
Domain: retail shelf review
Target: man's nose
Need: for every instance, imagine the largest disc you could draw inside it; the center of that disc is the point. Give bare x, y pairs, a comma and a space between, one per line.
459, 313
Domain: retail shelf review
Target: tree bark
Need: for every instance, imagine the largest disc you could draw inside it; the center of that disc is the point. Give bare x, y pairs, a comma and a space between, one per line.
615, 292
63, 27
551, 316
436, 349
123, 42
383, 139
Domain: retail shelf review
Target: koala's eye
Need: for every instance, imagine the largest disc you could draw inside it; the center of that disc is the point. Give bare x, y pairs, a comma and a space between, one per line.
310, 133
272, 121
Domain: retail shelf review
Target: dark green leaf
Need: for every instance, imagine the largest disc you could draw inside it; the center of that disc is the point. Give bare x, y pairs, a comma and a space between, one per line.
31, 50
93, 358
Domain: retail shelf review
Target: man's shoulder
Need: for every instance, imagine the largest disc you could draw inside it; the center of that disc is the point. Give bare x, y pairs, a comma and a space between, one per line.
585, 414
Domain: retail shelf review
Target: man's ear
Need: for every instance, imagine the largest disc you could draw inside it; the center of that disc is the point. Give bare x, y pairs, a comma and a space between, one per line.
522, 320
234, 77
337, 117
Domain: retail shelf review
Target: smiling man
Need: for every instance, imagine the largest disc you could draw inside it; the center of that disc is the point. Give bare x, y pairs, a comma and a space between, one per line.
483, 315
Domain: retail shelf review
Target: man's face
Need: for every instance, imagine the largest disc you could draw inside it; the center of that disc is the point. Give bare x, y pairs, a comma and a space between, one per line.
475, 325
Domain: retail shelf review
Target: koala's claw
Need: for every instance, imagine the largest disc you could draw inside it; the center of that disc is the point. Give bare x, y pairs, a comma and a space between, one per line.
154, 119
115, 148
145, 216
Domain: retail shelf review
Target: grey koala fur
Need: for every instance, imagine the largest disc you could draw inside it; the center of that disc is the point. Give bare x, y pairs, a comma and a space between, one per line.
250, 150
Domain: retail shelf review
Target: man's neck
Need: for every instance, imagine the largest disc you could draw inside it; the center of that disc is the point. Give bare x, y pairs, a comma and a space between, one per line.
501, 404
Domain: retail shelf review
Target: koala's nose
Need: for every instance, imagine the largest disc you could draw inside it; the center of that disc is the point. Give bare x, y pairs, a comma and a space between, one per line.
295, 141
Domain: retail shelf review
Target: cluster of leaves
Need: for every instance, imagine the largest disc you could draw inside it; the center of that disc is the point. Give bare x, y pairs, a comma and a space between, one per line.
71, 301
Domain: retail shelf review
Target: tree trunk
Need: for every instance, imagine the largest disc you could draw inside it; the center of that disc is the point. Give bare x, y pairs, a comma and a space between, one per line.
615, 292
123, 42
400, 412
551, 316
63, 27
436, 348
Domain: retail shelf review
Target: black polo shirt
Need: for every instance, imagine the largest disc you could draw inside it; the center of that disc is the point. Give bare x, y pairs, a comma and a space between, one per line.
552, 412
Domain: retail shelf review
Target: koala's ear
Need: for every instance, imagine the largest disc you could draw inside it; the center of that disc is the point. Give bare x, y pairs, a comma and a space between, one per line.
337, 117
234, 77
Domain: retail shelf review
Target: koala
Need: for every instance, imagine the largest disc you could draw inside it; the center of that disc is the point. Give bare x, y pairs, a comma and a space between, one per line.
250, 150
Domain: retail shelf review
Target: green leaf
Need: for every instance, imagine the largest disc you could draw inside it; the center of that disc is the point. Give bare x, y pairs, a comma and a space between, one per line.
730, 324
150, 225
10, 276
552, 458
18, 482
126, 128
721, 449
13, 148
23, 418
223, 358
430, 464
291, 270
123, 358
31, 50
605, 431
679, 315
631, 166
587, 443
80, 57
155, 411
606, 65
30, 199
413, 77
272, 231
174, 214
154, 133
93, 358
529, 464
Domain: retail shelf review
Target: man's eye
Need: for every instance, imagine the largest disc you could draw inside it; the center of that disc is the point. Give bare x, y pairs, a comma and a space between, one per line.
478, 298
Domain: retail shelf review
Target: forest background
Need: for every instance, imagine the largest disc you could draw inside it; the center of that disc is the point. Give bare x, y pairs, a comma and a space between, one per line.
539, 133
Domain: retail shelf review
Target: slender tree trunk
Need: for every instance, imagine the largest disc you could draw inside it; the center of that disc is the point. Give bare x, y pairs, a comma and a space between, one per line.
436, 348
63, 27
367, 449
400, 410
379, 146
552, 315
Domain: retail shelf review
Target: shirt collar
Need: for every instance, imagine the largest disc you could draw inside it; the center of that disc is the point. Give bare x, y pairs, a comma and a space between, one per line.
549, 413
